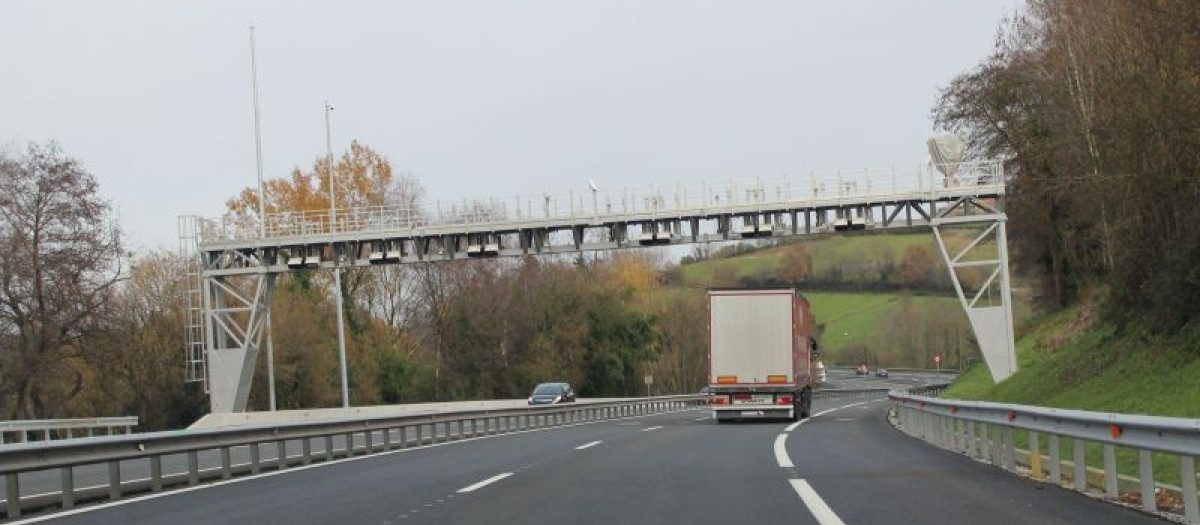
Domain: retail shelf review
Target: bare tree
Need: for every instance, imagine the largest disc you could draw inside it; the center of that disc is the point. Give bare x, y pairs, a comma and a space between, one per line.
61, 255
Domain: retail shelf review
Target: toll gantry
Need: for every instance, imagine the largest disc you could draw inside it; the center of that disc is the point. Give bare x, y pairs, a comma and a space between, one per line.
233, 260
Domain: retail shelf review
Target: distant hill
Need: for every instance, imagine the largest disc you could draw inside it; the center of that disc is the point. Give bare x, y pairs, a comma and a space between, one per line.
865, 310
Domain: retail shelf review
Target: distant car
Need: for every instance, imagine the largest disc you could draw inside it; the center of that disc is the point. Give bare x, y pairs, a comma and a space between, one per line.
820, 373
882, 372
862, 370
552, 393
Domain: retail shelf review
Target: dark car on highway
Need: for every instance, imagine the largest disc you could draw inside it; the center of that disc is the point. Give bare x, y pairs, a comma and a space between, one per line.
551, 393
883, 373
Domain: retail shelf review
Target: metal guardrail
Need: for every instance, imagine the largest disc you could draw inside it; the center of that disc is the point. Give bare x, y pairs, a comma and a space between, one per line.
943, 371
377, 434
986, 431
850, 393
21, 431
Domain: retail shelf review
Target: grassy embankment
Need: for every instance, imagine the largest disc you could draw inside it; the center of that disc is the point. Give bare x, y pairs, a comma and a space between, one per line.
1070, 360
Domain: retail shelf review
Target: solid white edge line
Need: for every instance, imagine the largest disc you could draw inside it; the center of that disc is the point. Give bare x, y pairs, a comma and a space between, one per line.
484, 483
816, 505
793, 426
781, 455
648, 429
218, 483
588, 445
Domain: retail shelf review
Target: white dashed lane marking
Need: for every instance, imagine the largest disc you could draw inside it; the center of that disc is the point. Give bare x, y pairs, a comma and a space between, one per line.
484, 483
817, 506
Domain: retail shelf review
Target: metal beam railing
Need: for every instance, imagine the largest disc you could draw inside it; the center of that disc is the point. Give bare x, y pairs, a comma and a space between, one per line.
989, 432
293, 443
21, 431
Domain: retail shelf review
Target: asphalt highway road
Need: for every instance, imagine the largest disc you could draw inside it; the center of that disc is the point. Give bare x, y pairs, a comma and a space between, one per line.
845, 465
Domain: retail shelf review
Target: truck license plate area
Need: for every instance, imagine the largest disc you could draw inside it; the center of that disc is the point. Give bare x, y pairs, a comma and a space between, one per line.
753, 399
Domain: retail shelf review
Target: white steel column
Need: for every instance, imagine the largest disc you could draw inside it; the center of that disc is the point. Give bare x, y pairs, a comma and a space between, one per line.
992, 323
235, 321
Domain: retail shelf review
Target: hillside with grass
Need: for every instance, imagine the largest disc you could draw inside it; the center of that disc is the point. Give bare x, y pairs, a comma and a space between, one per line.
883, 299
1074, 359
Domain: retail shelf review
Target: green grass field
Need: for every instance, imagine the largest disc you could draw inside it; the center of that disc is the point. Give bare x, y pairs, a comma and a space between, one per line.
826, 253
855, 317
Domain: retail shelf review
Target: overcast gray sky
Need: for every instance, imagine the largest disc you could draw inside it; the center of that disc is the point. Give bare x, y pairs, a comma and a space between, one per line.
476, 98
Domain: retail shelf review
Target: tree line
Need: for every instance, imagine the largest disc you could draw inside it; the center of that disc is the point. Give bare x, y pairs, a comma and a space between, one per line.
1095, 104
89, 329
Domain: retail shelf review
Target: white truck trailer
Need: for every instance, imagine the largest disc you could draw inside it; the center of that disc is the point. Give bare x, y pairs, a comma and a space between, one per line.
761, 353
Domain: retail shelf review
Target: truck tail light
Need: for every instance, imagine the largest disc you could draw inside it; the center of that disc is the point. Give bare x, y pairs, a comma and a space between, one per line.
719, 400
783, 400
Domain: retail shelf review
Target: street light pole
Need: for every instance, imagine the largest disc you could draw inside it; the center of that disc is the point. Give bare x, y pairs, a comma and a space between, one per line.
262, 213
337, 270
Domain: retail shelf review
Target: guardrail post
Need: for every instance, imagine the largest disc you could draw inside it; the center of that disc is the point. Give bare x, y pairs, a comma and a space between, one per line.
193, 467
156, 482
971, 448
306, 451
1079, 449
1055, 461
1035, 456
985, 450
369, 441
114, 480
255, 456
1146, 475
1110, 470
403, 437
1010, 452
1187, 475
328, 448
225, 461
12, 493
349, 444
281, 447
67, 477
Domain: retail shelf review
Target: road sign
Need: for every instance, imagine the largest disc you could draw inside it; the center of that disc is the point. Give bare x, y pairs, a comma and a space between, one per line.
937, 359
649, 380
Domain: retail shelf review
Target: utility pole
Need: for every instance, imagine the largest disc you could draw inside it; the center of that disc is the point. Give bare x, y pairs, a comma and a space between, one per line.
262, 212
337, 270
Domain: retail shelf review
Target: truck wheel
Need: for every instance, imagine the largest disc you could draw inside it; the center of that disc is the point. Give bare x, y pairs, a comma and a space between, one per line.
806, 403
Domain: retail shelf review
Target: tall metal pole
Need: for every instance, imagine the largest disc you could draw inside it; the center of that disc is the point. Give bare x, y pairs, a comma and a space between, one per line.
262, 212
337, 271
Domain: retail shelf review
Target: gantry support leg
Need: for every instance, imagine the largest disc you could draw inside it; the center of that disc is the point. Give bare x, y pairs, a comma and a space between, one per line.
991, 321
235, 319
